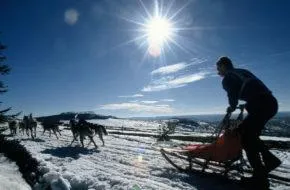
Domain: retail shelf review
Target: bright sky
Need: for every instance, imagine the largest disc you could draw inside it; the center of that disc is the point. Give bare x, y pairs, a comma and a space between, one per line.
139, 58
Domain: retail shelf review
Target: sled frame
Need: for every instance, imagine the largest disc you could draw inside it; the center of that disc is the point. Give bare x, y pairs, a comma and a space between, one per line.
206, 163
203, 163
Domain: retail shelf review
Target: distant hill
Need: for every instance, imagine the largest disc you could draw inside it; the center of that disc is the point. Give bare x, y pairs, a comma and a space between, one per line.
278, 126
70, 115
208, 117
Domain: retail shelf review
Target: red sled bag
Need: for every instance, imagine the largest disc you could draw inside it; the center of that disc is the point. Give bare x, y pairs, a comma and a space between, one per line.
227, 147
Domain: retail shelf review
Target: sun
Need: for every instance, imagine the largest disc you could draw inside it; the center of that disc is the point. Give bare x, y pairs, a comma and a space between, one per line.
158, 31
158, 27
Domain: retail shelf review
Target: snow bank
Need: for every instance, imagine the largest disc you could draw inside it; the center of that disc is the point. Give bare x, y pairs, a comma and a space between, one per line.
10, 177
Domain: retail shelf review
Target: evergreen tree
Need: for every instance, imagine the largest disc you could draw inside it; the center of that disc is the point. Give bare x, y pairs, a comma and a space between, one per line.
4, 70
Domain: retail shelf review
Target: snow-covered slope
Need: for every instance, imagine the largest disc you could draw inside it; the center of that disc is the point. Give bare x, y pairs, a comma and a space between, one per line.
125, 162
10, 177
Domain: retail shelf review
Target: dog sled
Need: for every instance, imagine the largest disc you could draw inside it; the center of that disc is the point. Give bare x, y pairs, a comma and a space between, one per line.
223, 155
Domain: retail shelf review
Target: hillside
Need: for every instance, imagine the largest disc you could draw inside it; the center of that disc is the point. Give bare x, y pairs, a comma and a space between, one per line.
71, 115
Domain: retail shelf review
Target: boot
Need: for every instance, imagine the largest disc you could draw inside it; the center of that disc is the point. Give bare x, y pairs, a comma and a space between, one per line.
258, 181
271, 161
255, 182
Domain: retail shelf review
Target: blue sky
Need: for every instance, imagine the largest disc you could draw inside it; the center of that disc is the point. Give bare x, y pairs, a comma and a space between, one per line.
81, 55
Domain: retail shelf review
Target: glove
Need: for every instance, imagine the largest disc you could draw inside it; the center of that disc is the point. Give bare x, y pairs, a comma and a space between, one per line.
238, 130
230, 109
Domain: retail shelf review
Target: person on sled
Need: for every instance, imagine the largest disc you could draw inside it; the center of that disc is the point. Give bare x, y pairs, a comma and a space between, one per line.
261, 105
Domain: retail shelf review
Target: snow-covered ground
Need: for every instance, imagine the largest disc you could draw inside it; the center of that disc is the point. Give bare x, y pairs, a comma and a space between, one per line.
10, 177
125, 162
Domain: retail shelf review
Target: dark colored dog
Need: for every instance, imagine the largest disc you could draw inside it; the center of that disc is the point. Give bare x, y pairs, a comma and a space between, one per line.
51, 126
83, 129
13, 127
30, 125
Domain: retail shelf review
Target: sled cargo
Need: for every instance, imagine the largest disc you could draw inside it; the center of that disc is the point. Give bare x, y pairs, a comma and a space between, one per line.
224, 154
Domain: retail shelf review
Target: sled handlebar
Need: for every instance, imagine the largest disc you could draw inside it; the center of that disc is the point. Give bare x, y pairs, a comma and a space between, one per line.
241, 115
228, 115
226, 120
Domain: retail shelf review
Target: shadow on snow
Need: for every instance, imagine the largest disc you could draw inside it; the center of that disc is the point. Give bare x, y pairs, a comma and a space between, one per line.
35, 140
202, 180
72, 152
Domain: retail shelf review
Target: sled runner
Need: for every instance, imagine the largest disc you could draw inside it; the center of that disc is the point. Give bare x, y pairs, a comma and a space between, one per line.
224, 154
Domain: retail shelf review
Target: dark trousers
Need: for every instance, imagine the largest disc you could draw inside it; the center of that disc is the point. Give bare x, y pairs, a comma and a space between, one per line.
260, 110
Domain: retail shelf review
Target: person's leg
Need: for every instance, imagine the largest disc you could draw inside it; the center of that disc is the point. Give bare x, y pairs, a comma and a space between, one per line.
260, 111
270, 108
270, 160
252, 144
251, 128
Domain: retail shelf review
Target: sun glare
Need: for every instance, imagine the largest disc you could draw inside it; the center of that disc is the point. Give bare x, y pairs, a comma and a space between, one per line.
158, 31
158, 27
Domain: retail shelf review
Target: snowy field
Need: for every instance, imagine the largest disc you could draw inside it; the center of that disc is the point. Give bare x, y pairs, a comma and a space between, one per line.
10, 177
125, 162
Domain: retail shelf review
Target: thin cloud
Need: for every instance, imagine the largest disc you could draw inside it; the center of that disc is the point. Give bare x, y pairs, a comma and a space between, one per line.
149, 101
187, 79
136, 107
167, 100
132, 96
280, 53
170, 69
133, 101
176, 82
195, 61
177, 67
153, 88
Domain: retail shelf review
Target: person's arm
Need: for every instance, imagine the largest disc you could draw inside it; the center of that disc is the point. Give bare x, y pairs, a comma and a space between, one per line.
231, 87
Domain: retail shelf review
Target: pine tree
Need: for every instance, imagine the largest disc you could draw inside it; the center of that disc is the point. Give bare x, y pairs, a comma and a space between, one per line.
4, 70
